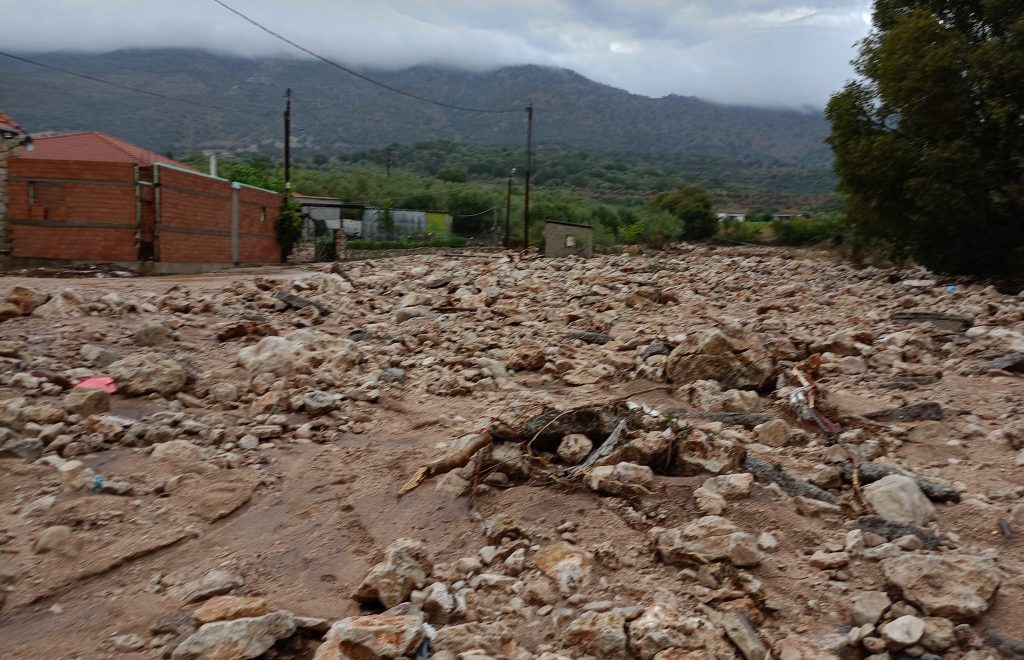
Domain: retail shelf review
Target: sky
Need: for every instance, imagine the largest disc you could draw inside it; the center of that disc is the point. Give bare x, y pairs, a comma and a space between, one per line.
782, 53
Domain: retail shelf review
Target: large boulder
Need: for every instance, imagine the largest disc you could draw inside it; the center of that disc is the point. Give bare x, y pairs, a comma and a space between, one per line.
248, 637
959, 587
25, 299
405, 567
599, 634
275, 355
898, 497
661, 628
148, 373
710, 538
737, 362
565, 564
373, 636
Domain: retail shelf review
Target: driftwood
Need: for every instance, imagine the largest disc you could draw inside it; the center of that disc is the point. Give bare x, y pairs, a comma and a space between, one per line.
915, 412
298, 302
458, 456
766, 472
890, 529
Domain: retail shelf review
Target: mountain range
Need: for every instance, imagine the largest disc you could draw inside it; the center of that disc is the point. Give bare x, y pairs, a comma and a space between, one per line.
335, 112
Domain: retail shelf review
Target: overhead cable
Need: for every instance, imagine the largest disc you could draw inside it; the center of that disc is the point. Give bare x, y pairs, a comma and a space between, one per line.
361, 76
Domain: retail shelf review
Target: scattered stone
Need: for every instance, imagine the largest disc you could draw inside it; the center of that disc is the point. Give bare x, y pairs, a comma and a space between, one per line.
222, 608
620, 479
405, 567
214, 583
87, 401
898, 498
248, 637
567, 566
904, 631
574, 448
601, 634
52, 538
710, 538
958, 587
773, 434
869, 607
374, 636
153, 333
743, 635
146, 373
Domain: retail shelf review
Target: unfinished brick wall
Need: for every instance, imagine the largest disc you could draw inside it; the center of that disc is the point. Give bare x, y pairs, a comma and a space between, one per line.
195, 221
90, 211
71, 210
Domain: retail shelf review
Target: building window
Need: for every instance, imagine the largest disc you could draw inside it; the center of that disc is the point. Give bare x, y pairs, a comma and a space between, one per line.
570, 241
31, 193
263, 214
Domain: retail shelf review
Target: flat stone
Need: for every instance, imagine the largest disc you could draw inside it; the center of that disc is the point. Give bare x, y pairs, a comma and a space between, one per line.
222, 608
214, 583
248, 637
868, 607
904, 631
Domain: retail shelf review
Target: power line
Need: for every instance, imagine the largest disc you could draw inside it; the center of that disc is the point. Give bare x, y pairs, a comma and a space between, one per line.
226, 149
111, 83
356, 73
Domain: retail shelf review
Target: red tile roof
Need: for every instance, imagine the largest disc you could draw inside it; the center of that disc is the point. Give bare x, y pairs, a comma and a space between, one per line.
5, 120
93, 145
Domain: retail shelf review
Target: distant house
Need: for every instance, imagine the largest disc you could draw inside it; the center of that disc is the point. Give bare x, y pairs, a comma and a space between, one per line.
322, 215
93, 197
787, 214
733, 214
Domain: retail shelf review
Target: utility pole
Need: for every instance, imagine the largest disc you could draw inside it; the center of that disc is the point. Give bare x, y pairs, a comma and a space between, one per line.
387, 163
526, 190
508, 210
288, 142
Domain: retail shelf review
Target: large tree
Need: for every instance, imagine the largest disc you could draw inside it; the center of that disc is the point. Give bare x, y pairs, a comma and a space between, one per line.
929, 139
693, 206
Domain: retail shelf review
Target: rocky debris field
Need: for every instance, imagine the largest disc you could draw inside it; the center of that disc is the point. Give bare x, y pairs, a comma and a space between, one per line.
701, 454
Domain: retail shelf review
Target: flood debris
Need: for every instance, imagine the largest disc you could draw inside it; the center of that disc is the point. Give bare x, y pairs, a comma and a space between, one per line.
767, 457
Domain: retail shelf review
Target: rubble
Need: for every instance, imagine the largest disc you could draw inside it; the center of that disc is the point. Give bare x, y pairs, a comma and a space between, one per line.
709, 452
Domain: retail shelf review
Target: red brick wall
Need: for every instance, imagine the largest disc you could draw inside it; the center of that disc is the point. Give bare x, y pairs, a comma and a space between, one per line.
195, 221
82, 210
87, 210
257, 226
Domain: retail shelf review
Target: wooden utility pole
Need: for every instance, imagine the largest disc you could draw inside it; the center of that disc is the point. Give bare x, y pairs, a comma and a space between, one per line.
288, 142
508, 211
387, 163
526, 189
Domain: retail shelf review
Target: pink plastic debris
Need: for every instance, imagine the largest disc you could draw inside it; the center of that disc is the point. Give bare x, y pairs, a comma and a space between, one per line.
99, 383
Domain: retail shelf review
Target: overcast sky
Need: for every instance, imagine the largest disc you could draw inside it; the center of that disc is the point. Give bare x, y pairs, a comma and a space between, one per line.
761, 52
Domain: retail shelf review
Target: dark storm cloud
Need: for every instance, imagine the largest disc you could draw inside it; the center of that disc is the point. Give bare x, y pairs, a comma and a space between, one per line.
748, 51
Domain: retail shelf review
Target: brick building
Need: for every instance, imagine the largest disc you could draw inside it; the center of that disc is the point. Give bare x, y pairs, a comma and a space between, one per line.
11, 137
92, 197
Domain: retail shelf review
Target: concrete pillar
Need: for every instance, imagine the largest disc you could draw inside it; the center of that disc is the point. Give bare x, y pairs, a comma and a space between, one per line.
235, 186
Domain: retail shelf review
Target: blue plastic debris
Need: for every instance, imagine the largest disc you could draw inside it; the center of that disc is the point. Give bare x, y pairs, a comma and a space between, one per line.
97, 482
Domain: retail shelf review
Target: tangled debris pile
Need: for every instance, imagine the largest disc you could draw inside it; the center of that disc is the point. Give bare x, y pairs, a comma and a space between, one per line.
715, 454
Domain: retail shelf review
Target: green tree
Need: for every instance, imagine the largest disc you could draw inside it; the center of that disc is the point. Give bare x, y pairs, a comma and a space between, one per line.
692, 205
929, 142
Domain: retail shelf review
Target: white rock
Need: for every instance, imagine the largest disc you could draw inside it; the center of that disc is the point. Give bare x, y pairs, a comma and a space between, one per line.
898, 497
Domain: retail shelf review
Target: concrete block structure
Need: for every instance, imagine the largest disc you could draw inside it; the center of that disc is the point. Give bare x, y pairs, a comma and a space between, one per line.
564, 239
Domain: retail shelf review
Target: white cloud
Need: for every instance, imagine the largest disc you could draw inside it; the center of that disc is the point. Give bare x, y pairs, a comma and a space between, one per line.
788, 52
